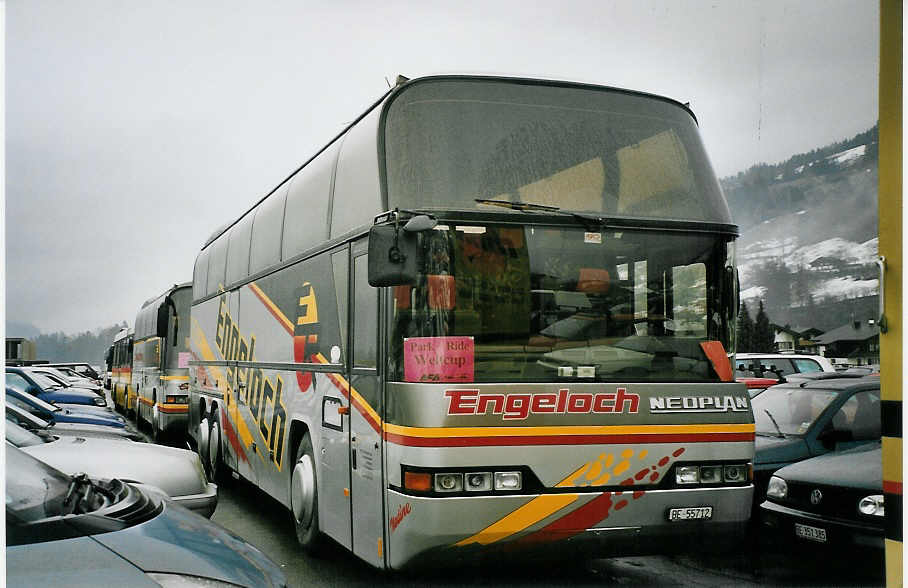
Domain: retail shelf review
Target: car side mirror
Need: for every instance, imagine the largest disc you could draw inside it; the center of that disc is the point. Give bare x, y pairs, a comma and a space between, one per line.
33, 390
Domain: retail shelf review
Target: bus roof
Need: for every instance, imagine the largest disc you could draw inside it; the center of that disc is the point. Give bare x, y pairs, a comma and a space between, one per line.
402, 83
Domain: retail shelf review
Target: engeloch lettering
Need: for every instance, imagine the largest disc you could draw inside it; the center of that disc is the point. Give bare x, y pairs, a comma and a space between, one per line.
519, 406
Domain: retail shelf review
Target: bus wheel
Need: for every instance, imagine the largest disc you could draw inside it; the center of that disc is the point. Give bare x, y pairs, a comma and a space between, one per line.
304, 498
202, 448
215, 461
155, 430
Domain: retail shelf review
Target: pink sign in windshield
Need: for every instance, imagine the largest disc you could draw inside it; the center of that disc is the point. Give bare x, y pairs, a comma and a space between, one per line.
438, 359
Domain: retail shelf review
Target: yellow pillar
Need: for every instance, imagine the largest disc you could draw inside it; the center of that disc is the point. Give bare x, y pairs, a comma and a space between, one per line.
890, 215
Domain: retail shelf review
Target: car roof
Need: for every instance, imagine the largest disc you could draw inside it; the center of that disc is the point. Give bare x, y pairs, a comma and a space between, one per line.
840, 384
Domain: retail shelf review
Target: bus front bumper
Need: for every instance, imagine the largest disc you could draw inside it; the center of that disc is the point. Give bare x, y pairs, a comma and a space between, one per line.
607, 524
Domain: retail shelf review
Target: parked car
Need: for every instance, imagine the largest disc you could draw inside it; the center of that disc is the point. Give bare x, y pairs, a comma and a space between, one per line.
69, 378
799, 420
84, 531
782, 364
178, 472
833, 500
49, 390
754, 384
52, 428
62, 414
83, 369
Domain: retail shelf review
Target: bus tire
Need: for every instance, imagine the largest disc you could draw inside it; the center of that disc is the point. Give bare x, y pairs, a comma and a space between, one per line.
156, 435
202, 445
304, 498
215, 459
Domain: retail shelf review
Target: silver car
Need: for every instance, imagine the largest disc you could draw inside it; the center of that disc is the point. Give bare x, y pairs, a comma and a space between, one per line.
40, 426
178, 472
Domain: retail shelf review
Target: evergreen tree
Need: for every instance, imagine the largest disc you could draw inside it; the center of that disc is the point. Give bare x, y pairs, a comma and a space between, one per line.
745, 330
763, 333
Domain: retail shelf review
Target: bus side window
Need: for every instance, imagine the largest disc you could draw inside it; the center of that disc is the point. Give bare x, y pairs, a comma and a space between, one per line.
365, 316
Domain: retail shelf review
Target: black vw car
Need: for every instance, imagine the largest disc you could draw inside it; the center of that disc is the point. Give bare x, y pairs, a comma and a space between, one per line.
831, 501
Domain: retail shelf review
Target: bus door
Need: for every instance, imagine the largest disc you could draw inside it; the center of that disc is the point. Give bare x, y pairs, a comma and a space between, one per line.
334, 456
365, 417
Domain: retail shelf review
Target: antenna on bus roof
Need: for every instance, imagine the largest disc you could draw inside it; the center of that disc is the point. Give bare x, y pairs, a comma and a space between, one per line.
387, 82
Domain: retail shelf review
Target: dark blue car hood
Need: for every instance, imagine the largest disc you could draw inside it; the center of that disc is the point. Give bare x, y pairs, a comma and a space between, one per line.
859, 467
181, 542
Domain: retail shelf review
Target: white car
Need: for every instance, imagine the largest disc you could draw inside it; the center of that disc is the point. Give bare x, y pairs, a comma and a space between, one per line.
787, 363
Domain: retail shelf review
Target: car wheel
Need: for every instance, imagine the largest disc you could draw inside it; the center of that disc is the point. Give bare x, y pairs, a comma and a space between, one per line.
304, 498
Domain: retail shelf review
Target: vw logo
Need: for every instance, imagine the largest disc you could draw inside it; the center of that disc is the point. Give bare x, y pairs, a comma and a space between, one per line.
816, 497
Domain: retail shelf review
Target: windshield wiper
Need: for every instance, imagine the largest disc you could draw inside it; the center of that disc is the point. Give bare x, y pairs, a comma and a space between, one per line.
589, 220
73, 493
517, 205
775, 424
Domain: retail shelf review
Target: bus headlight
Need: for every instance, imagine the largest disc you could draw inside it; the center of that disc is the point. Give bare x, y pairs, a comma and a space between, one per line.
735, 473
872, 505
710, 474
478, 481
508, 481
448, 482
778, 488
687, 475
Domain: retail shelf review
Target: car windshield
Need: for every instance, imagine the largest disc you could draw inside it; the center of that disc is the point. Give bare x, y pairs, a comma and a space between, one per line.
543, 304
45, 381
793, 409
34, 490
21, 437
28, 401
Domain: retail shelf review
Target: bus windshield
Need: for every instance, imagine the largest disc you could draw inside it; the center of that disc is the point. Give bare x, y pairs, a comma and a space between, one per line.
451, 141
549, 304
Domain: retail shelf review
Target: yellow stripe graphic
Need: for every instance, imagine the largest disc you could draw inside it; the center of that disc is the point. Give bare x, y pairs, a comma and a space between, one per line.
528, 514
186, 378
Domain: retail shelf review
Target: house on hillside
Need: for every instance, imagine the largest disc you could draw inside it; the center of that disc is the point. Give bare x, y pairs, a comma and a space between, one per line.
788, 339
785, 339
858, 341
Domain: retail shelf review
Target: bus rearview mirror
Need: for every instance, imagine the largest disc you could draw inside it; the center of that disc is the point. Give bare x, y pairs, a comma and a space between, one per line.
392, 256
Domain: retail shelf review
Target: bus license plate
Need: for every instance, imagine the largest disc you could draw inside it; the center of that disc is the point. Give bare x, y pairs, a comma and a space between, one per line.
812, 533
690, 514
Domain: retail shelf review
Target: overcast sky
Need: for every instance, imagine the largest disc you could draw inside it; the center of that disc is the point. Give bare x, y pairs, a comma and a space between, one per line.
135, 128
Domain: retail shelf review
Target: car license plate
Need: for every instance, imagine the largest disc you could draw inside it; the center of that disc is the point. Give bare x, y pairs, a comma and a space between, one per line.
812, 533
690, 514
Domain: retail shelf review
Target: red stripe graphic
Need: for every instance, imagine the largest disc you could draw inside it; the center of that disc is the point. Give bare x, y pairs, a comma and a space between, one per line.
892, 487
234, 441
563, 439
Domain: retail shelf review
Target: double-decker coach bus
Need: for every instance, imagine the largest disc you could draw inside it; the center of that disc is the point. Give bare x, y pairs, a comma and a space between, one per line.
492, 316
160, 365
121, 371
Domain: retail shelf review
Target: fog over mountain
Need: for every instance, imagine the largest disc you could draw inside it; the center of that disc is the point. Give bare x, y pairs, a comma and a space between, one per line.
809, 234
